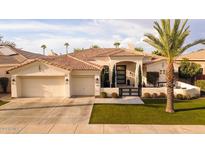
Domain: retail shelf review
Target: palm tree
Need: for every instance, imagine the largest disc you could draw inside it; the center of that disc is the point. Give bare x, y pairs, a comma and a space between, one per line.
116, 44
44, 48
170, 43
66, 47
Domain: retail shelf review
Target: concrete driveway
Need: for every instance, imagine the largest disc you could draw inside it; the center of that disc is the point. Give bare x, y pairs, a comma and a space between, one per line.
41, 115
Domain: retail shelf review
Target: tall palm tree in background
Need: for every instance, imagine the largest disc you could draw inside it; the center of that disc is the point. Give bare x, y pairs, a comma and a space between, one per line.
170, 42
66, 47
117, 44
44, 48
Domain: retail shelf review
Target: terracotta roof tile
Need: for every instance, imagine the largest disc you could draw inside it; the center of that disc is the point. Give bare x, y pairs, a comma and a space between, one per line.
65, 62
90, 54
10, 55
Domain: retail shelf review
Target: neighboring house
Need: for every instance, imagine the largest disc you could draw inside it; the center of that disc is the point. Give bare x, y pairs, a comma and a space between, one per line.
196, 57
10, 57
81, 73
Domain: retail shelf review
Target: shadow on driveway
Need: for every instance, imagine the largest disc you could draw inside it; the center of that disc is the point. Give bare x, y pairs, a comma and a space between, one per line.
43, 107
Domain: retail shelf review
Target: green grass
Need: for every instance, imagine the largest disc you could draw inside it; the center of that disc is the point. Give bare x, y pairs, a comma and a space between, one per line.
190, 112
2, 102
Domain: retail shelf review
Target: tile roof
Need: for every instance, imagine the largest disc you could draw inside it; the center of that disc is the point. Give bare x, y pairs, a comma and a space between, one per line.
10, 55
196, 55
29, 55
8, 60
90, 54
65, 62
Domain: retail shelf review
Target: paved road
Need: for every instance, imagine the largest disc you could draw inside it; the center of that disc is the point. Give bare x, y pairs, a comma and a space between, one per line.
37, 115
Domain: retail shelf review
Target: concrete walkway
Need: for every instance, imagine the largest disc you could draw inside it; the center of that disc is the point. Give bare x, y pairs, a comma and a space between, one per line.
70, 116
123, 100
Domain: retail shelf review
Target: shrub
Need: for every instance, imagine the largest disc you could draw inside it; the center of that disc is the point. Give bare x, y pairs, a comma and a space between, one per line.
4, 83
154, 95
114, 95
201, 84
103, 94
187, 97
147, 95
179, 96
162, 95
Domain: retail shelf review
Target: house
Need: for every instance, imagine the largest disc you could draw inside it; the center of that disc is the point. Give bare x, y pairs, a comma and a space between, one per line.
84, 73
196, 57
11, 57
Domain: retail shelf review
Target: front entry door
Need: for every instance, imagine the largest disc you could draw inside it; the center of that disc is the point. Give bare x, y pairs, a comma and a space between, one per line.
121, 74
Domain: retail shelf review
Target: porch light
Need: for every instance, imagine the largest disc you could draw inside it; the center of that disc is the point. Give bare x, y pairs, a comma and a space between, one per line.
66, 81
13, 80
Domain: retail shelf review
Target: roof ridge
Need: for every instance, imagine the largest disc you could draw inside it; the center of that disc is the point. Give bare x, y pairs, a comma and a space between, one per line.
83, 61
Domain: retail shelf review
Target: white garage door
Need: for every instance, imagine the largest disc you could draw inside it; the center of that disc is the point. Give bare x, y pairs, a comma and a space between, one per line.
83, 86
42, 87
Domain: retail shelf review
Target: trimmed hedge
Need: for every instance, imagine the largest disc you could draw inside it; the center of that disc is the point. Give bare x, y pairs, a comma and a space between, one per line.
162, 95
154, 95
103, 95
201, 84
114, 95
147, 95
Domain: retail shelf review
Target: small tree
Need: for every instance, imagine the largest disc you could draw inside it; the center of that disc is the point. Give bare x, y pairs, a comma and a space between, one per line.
189, 69
139, 81
116, 44
4, 83
44, 48
66, 44
152, 77
139, 49
95, 46
78, 49
156, 52
6, 43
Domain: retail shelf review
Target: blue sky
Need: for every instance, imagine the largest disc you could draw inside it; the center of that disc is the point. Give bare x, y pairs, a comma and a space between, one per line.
31, 34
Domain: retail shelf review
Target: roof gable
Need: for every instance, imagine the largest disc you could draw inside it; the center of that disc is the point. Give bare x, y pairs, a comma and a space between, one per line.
66, 62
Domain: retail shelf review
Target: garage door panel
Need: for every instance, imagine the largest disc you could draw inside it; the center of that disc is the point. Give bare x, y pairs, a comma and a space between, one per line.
83, 85
42, 87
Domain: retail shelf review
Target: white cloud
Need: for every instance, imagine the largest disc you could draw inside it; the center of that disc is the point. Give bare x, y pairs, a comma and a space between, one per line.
83, 35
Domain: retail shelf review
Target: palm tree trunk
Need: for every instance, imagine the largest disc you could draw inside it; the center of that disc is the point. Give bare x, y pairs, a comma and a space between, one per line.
170, 87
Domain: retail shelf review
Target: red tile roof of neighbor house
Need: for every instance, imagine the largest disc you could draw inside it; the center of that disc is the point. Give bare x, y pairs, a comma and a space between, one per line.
196, 55
11, 55
66, 62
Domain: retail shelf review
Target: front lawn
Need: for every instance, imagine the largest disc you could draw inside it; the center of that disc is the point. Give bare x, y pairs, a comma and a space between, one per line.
190, 112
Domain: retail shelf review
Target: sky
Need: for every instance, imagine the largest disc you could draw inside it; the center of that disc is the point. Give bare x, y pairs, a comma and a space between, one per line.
31, 34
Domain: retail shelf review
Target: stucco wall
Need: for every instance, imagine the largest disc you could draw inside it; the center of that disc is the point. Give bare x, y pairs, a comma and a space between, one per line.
156, 67
190, 90
38, 69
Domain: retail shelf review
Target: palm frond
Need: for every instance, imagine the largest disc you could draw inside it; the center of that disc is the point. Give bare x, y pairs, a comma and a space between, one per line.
200, 41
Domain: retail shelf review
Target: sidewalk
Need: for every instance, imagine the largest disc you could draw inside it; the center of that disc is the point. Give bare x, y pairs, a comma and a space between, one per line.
101, 129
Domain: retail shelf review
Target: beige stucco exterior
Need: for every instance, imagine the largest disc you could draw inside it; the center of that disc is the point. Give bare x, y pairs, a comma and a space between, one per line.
42, 80
160, 67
